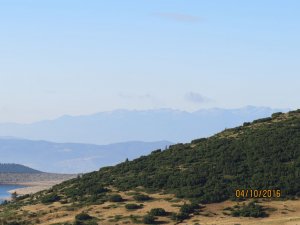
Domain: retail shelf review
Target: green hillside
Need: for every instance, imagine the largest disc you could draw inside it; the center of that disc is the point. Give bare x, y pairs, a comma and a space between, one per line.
264, 154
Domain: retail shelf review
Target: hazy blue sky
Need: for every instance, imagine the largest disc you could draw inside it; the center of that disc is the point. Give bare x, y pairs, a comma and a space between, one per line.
79, 57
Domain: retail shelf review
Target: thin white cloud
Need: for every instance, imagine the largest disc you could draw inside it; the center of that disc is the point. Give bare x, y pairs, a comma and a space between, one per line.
197, 98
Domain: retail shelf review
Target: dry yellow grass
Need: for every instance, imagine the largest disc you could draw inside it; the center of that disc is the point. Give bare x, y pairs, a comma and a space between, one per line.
284, 213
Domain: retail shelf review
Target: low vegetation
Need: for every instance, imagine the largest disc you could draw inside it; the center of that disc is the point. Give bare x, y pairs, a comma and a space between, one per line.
133, 206
158, 212
141, 198
116, 198
251, 209
50, 198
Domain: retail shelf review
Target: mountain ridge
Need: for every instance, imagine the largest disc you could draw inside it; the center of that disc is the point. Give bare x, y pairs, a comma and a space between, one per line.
16, 168
144, 125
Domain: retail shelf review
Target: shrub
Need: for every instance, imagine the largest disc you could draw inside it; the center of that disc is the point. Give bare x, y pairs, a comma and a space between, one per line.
83, 217
275, 115
189, 208
13, 223
179, 217
148, 219
158, 212
22, 197
263, 120
116, 198
250, 210
141, 198
133, 206
50, 198
196, 141
89, 222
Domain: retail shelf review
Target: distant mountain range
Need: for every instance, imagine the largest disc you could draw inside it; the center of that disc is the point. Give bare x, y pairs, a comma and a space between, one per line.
16, 168
71, 157
124, 125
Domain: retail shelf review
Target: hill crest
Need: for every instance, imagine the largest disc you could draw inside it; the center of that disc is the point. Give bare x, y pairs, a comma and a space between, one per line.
16, 168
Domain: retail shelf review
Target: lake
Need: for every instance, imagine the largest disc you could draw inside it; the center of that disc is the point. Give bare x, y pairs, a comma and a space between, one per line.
4, 190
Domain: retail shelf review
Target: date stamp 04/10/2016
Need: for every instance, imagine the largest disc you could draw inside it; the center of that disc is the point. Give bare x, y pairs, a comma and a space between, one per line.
254, 193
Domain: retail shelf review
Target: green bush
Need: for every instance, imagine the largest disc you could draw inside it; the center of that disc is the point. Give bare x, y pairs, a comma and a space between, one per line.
133, 206
148, 219
179, 217
83, 217
141, 198
91, 222
188, 208
275, 115
50, 198
196, 141
250, 210
263, 120
116, 198
13, 223
158, 212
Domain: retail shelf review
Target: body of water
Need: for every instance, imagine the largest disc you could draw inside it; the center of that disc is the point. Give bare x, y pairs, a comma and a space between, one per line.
4, 188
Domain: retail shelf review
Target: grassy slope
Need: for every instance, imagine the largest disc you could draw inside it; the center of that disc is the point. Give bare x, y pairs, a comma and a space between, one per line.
264, 154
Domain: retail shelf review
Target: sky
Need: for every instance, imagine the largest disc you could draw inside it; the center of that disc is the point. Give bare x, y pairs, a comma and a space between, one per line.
76, 57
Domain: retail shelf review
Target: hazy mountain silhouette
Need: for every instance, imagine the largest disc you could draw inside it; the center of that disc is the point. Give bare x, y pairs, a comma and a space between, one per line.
16, 168
71, 157
125, 125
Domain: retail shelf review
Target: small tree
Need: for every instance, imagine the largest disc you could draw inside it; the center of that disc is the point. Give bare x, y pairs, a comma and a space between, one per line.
148, 219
